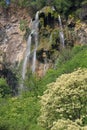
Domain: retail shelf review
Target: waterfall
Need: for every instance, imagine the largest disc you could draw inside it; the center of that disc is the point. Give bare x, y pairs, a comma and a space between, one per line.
27, 54
35, 28
61, 31
34, 31
24, 69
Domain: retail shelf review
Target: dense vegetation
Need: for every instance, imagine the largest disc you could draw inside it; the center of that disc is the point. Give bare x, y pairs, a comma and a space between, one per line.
58, 101
65, 99
22, 112
62, 6
68, 61
19, 113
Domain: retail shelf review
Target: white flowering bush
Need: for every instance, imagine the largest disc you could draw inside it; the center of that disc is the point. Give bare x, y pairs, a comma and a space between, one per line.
65, 125
65, 99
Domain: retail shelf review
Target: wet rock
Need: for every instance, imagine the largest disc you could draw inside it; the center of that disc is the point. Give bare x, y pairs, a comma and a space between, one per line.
7, 26
71, 24
2, 35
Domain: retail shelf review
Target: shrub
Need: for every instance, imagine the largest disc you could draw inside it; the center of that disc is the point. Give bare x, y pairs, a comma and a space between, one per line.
4, 88
23, 25
65, 99
65, 125
67, 54
31, 84
19, 113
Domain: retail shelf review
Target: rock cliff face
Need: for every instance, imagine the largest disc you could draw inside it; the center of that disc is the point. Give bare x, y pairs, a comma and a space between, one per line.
81, 31
13, 45
12, 42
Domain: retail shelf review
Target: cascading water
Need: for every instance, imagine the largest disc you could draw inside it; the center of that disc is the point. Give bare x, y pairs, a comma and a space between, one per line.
26, 57
27, 54
61, 31
34, 31
35, 28
34, 53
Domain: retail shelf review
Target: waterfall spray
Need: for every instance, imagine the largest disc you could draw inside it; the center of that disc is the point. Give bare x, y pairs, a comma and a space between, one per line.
24, 69
34, 32
27, 54
61, 31
35, 27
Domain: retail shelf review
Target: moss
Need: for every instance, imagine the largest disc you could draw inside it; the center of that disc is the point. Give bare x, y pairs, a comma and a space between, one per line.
44, 43
47, 10
41, 22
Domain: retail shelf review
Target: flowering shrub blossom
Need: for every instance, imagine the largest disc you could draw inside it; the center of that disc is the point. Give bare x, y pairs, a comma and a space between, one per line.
65, 99
65, 125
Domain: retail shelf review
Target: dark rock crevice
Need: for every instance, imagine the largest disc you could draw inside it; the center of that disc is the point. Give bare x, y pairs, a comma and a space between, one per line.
11, 79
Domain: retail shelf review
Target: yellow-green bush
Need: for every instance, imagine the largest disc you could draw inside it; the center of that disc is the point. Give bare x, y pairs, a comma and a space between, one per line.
65, 99
65, 125
19, 113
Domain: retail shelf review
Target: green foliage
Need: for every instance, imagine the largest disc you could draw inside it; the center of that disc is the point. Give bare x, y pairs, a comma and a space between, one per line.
19, 113
23, 25
68, 61
31, 83
38, 3
23, 3
55, 37
36, 127
67, 54
62, 6
66, 7
77, 60
2, 3
65, 99
64, 56
4, 88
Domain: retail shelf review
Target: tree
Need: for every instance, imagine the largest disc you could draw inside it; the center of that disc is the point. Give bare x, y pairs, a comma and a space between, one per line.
65, 99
